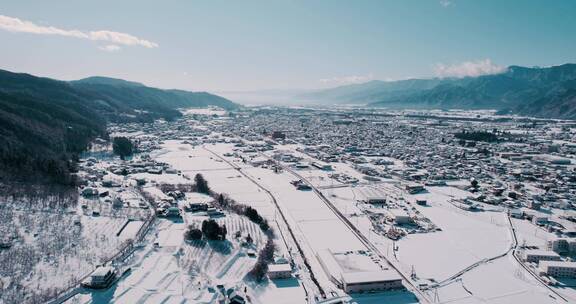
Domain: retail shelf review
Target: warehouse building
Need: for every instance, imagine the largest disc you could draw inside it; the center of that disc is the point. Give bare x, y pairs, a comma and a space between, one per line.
355, 272
364, 281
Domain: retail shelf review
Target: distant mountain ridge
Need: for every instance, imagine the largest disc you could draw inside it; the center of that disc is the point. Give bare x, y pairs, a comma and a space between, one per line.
520, 90
107, 81
45, 123
129, 96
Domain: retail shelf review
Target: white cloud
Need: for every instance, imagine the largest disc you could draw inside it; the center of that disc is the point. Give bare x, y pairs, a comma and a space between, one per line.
445, 3
110, 48
468, 69
347, 79
22, 26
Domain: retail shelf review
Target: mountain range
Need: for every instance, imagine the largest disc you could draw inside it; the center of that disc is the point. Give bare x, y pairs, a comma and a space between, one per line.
45, 123
541, 92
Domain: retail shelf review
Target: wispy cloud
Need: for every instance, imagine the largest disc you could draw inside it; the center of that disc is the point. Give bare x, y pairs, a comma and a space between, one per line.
12, 24
110, 48
468, 69
445, 3
347, 79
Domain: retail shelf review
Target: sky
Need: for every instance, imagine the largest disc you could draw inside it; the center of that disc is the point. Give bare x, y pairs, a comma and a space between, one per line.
279, 44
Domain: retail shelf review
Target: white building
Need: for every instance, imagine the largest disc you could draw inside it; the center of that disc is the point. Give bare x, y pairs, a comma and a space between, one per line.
516, 213
322, 165
400, 216
562, 246
279, 271
102, 277
371, 281
539, 220
357, 272
537, 255
558, 269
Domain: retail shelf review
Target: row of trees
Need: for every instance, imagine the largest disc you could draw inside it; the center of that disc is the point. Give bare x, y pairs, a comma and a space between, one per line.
211, 229
256, 218
477, 136
229, 204
266, 256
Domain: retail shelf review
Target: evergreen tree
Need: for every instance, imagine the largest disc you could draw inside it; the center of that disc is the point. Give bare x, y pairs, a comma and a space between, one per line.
201, 184
122, 146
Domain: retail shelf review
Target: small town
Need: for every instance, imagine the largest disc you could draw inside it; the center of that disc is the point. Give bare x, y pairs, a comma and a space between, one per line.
224, 200
288, 152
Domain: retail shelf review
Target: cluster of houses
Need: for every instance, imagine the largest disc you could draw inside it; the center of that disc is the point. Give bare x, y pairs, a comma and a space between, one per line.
524, 163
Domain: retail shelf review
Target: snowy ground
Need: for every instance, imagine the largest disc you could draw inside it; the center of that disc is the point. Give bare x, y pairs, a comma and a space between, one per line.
469, 260
48, 244
466, 238
177, 271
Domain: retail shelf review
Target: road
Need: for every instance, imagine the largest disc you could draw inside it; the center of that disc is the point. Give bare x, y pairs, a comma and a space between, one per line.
301, 257
537, 277
411, 287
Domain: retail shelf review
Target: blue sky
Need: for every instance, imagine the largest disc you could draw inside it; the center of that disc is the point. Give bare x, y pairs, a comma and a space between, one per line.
274, 44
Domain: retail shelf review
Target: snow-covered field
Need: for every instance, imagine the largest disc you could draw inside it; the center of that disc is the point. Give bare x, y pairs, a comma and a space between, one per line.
466, 238
50, 245
466, 257
177, 271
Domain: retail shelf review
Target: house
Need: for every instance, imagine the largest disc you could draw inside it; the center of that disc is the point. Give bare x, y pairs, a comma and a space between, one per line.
89, 191
172, 212
322, 166
117, 202
414, 188
213, 212
300, 185
154, 170
376, 200
278, 135
195, 207
539, 220
141, 181
279, 271
101, 278
234, 297
516, 213
535, 205
400, 216
109, 183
